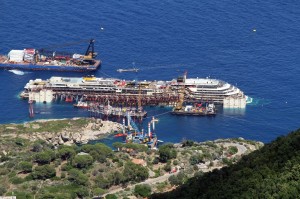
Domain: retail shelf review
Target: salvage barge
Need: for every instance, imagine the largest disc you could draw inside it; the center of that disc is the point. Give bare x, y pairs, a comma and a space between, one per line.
126, 92
43, 59
206, 109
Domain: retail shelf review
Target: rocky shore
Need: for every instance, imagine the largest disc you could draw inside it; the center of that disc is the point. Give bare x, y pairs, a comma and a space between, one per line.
76, 131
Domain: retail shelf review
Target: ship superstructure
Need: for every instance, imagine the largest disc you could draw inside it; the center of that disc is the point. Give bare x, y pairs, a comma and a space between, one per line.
208, 89
126, 92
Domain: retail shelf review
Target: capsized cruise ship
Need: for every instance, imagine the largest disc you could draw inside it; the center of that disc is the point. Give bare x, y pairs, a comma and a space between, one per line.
125, 91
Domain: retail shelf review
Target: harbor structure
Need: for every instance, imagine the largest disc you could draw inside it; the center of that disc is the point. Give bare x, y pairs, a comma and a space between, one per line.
47, 59
135, 93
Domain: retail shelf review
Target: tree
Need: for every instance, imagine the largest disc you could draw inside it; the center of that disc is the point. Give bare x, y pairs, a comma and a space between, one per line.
133, 172
111, 196
82, 161
167, 152
232, 150
77, 177
177, 179
2, 191
82, 192
44, 157
98, 191
143, 190
117, 145
38, 145
25, 166
196, 159
43, 172
102, 182
66, 153
98, 151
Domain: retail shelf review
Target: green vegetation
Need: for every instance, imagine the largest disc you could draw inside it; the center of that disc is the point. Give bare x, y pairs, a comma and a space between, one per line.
39, 169
167, 152
25, 166
133, 172
232, 150
66, 152
271, 172
134, 146
77, 177
143, 190
82, 161
43, 172
111, 196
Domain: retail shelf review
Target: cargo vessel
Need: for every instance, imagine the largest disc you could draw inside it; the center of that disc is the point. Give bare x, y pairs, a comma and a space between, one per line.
43, 59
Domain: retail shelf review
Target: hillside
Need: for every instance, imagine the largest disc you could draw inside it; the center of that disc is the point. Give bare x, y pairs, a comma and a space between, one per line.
41, 160
271, 172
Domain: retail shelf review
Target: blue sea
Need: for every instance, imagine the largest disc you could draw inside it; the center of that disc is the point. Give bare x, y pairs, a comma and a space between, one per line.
252, 44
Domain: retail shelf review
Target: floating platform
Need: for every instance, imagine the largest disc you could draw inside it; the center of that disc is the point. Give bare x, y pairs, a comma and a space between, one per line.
196, 110
41, 59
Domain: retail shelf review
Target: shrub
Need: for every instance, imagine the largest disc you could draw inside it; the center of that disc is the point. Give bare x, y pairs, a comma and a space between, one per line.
187, 143
102, 182
111, 196
3, 157
82, 161
155, 160
62, 175
175, 162
17, 180
66, 167
4, 171
38, 146
167, 167
98, 191
2, 191
44, 157
77, 177
167, 152
25, 166
143, 190
195, 159
20, 141
43, 172
82, 192
232, 150
66, 152
133, 172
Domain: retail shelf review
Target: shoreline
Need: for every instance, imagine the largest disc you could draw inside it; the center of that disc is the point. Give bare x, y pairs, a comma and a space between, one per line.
65, 131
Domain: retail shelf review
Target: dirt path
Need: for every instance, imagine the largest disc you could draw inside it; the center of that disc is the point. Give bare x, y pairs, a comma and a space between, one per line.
149, 181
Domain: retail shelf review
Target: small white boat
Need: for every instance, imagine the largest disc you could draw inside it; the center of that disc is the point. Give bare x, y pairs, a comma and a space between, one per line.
81, 105
17, 72
128, 70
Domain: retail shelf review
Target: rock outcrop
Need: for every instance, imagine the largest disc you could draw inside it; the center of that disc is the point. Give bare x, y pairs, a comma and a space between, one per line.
92, 131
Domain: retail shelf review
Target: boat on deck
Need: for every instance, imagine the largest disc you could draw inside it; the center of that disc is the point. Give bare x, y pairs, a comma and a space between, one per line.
81, 105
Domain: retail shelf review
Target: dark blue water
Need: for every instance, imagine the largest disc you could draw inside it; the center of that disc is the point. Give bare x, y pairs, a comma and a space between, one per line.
164, 39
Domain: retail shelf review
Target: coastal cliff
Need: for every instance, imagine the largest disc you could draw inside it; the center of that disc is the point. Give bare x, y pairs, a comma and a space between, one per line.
62, 131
